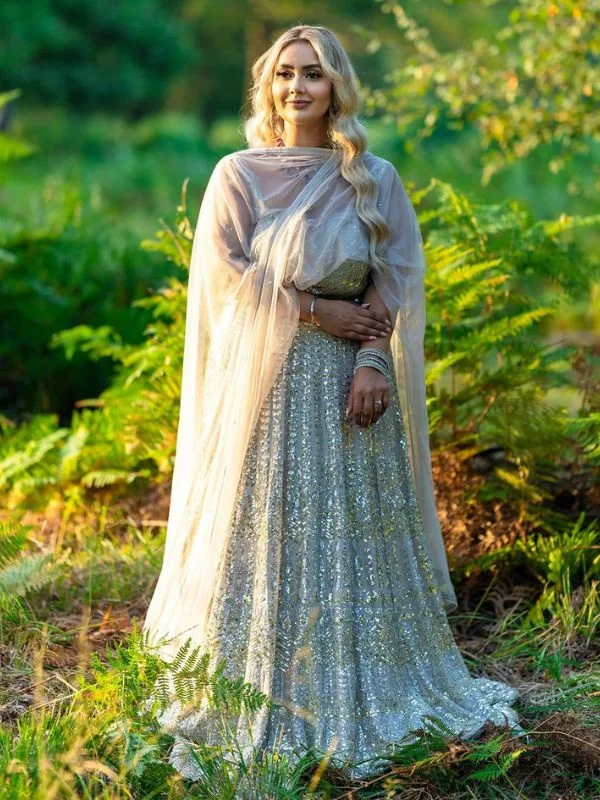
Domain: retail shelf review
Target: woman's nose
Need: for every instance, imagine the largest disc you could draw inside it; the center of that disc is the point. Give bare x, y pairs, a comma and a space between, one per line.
297, 84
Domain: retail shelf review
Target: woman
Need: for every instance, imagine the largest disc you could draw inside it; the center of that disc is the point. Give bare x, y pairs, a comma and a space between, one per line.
303, 545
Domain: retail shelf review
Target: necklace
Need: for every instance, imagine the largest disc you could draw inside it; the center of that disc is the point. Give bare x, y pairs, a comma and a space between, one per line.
325, 145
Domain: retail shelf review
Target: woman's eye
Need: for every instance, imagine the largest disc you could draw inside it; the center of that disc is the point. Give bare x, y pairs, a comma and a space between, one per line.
286, 73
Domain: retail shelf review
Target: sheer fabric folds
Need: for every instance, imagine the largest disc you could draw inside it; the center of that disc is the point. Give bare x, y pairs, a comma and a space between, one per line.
274, 220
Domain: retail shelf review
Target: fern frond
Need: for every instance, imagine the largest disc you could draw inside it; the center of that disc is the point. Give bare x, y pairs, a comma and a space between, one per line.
105, 477
507, 328
467, 272
435, 372
29, 574
33, 453
12, 541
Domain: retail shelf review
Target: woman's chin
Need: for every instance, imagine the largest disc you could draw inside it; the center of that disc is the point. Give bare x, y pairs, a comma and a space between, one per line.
301, 116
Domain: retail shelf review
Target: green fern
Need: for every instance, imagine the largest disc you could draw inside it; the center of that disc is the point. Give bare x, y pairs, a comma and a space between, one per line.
495, 770
35, 453
12, 542
101, 478
31, 573
20, 572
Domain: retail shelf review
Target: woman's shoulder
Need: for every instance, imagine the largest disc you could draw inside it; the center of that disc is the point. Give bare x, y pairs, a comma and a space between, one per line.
238, 166
230, 171
227, 162
379, 166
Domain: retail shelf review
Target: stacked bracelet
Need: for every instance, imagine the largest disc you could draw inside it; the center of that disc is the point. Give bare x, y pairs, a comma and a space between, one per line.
374, 357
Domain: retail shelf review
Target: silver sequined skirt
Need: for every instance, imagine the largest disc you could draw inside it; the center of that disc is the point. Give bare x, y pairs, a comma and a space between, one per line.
326, 601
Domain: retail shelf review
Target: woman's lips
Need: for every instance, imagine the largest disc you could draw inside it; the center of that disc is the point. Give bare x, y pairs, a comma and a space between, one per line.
299, 103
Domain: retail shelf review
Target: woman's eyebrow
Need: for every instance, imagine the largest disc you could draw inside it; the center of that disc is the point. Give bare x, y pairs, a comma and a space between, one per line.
306, 66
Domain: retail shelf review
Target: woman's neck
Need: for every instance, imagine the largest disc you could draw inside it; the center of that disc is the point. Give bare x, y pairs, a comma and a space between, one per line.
301, 137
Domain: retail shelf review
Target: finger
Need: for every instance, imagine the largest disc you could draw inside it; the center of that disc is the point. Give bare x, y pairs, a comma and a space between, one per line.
359, 337
386, 399
367, 412
366, 329
373, 323
357, 410
362, 337
379, 406
373, 315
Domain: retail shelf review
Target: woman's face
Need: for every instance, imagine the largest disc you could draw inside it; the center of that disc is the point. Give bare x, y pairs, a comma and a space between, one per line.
298, 76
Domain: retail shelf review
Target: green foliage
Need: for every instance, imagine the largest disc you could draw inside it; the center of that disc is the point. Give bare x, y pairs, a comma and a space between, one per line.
532, 81
20, 571
130, 433
107, 728
497, 283
553, 556
570, 554
434, 747
11, 543
93, 731
69, 251
130, 171
91, 55
66, 269
12, 148
566, 613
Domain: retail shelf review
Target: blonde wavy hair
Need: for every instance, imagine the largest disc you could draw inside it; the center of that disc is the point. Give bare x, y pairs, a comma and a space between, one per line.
264, 126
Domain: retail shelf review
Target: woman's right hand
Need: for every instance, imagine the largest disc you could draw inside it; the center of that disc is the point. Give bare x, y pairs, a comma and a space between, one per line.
350, 320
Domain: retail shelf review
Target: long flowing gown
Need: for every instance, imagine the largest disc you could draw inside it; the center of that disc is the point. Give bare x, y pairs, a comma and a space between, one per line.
327, 601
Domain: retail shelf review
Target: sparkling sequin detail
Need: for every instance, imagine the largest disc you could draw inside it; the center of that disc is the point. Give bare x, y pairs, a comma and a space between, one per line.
326, 601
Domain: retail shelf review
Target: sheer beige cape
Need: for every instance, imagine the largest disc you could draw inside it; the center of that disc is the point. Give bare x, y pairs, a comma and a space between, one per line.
274, 220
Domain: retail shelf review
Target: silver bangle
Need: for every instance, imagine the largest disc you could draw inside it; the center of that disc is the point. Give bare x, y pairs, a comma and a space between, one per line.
313, 319
376, 358
373, 353
376, 365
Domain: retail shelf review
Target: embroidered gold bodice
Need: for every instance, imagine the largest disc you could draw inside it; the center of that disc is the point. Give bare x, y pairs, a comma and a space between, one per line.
349, 281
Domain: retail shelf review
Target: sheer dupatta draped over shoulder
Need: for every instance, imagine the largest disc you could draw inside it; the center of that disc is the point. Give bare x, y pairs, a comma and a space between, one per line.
273, 220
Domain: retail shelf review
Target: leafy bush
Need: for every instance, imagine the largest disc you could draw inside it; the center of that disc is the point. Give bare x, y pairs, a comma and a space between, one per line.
91, 55
64, 262
67, 269
498, 283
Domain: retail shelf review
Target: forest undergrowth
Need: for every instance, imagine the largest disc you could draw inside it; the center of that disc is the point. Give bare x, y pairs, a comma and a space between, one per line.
74, 587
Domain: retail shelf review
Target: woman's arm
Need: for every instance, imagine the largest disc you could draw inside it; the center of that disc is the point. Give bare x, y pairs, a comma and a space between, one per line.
377, 305
369, 394
305, 301
344, 318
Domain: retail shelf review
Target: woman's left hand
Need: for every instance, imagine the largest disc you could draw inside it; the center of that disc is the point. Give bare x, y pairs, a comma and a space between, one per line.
369, 396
